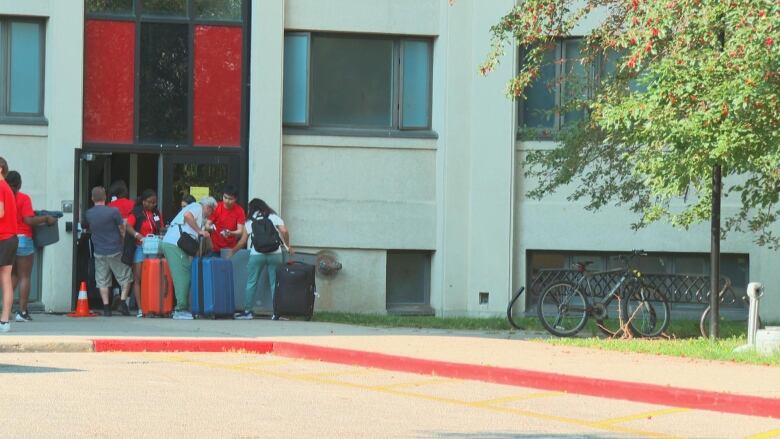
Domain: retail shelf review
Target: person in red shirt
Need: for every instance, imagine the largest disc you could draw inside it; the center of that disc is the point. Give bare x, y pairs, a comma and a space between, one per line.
118, 193
8, 244
227, 222
144, 220
25, 251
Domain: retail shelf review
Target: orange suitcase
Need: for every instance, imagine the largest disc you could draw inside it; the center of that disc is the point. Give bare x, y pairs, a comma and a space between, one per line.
156, 287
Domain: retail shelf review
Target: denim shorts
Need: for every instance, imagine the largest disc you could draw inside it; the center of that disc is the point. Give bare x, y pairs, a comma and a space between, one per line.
26, 246
139, 254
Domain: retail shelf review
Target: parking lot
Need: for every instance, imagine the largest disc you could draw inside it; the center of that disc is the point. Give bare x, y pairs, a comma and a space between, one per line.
248, 395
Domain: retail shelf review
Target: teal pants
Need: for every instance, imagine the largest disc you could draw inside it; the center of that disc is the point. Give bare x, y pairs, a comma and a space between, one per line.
254, 268
181, 271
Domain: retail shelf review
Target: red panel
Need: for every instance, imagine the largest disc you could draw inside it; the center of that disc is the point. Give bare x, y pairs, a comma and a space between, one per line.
217, 78
108, 81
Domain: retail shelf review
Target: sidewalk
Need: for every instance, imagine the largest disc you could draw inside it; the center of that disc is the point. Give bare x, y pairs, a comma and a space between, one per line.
487, 354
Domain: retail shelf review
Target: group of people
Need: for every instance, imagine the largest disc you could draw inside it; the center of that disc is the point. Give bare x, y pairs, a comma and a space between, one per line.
17, 219
224, 224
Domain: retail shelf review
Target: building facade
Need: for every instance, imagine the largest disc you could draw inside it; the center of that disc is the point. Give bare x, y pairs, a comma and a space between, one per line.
364, 122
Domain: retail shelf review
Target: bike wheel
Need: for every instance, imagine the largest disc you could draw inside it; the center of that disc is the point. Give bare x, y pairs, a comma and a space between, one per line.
704, 322
646, 310
563, 309
510, 309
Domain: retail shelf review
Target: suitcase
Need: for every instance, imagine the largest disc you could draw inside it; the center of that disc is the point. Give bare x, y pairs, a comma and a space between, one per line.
156, 287
295, 288
212, 287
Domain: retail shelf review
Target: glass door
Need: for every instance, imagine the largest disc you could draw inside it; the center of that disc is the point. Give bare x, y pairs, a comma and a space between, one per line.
197, 175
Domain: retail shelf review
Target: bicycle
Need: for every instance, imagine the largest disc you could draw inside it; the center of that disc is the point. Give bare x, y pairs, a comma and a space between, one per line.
564, 308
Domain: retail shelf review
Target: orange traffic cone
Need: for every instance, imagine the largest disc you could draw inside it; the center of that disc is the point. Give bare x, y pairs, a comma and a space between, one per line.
82, 304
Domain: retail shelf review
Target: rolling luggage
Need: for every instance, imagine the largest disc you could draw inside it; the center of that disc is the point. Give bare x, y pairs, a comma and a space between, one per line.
263, 291
295, 288
212, 287
156, 287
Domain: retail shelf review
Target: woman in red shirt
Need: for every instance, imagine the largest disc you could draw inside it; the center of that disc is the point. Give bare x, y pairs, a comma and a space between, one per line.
8, 244
145, 219
118, 193
26, 250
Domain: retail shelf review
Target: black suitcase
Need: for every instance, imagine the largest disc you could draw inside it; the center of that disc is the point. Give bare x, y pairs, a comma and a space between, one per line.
294, 290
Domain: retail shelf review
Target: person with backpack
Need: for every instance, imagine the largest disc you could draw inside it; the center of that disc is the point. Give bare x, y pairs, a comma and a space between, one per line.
265, 234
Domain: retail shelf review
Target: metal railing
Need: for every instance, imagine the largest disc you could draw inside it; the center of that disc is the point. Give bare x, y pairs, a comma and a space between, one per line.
679, 288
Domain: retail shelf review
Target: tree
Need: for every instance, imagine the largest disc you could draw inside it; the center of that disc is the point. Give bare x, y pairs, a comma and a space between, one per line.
695, 84
679, 91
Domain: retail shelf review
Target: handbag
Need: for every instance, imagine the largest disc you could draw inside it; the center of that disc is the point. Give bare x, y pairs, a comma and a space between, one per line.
187, 243
128, 249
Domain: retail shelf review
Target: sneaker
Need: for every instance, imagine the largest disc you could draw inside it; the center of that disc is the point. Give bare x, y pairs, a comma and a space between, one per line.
274, 317
140, 314
124, 309
5, 326
182, 315
244, 315
23, 317
107, 310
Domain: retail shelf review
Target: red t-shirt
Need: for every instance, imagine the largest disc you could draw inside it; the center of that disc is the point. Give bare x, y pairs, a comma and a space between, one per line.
151, 224
124, 205
23, 210
9, 219
226, 219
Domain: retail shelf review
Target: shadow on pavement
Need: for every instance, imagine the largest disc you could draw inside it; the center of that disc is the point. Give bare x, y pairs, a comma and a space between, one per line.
15, 368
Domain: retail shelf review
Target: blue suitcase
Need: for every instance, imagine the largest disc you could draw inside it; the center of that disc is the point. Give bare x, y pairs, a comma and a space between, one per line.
212, 287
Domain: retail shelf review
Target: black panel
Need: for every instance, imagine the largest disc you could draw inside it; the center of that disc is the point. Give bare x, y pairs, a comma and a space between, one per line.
164, 83
164, 7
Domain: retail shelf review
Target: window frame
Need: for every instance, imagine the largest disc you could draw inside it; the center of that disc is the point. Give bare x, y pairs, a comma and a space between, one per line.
6, 115
396, 128
592, 75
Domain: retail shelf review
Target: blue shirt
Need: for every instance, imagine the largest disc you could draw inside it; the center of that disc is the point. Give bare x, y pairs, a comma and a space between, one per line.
103, 223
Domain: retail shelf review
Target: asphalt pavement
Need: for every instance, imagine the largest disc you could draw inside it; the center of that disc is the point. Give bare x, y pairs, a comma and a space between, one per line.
488, 355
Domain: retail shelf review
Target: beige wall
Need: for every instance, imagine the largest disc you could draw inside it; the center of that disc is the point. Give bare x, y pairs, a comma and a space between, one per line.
44, 155
407, 17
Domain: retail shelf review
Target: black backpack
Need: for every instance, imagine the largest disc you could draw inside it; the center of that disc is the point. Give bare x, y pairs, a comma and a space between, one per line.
265, 237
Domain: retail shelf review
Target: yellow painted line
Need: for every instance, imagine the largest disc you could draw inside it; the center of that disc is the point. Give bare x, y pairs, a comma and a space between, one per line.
412, 384
766, 435
643, 415
497, 409
496, 401
336, 373
278, 362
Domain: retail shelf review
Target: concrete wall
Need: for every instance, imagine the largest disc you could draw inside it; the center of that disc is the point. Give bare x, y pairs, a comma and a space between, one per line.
44, 154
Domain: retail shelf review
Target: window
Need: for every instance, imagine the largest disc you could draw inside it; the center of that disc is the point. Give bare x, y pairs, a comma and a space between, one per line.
362, 82
562, 78
21, 82
408, 282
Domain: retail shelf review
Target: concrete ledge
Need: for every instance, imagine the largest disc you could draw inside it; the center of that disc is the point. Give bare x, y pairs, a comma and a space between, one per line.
638, 392
68, 346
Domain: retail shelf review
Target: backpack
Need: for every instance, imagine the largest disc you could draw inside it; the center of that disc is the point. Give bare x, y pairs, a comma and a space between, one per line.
265, 237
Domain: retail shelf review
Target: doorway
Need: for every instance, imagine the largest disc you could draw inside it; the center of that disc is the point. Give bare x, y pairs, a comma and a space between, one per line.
171, 175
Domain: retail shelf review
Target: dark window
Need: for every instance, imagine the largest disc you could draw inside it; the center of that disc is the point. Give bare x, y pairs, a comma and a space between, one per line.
21, 79
562, 79
176, 8
363, 82
164, 83
120, 7
408, 282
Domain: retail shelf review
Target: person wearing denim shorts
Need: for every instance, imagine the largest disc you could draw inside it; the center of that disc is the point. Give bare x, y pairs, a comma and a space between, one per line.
26, 219
144, 220
8, 244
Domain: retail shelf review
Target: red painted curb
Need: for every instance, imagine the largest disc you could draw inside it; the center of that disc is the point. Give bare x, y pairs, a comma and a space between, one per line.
181, 345
637, 392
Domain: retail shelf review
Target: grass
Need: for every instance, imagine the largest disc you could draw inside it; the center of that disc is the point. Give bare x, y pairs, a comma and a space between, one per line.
685, 339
